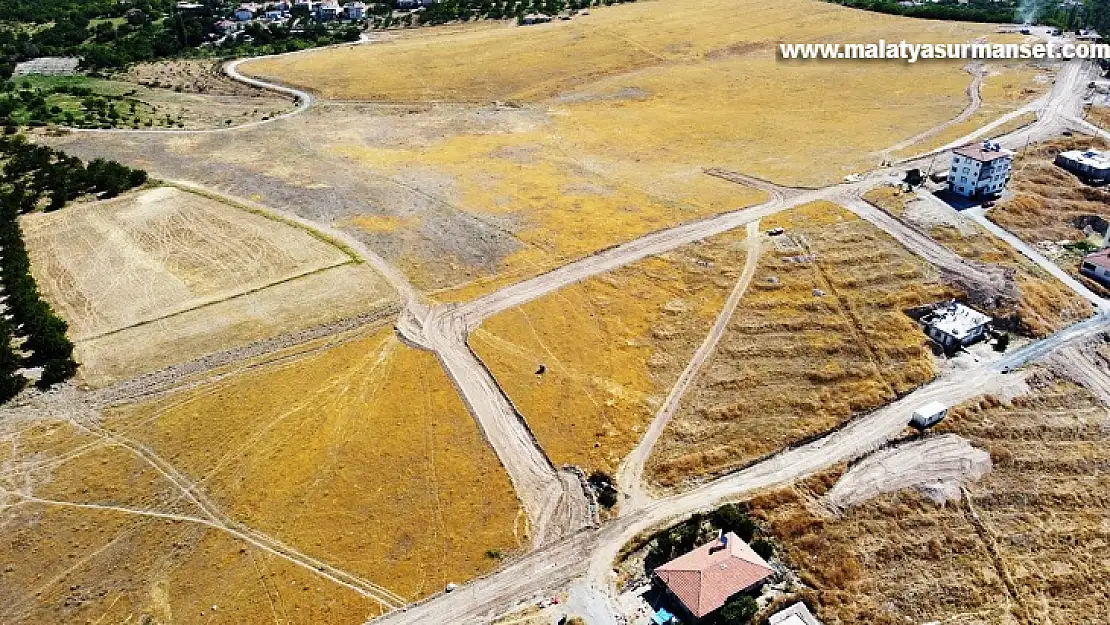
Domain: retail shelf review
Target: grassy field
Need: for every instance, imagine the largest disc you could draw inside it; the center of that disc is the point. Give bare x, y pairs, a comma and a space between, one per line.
185, 275
612, 347
1036, 553
819, 336
153, 96
361, 455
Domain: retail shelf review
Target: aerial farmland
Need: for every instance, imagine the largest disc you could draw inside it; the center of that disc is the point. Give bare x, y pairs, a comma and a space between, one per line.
432, 313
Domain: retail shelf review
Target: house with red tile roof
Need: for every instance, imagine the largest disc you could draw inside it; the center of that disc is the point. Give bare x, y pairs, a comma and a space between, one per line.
704, 579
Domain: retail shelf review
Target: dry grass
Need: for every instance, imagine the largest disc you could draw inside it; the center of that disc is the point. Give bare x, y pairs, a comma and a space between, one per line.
1005, 88
602, 143
902, 559
362, 455
1099, 116
663, 83
183, 275
612, 346
1040, 304
793, 364
1050, 203
194, 76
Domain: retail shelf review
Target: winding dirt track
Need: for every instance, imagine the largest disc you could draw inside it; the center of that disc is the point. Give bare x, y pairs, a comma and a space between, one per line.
557, 564
567, 541
629, 478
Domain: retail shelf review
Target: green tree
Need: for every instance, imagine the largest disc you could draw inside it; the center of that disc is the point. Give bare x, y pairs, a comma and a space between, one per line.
738, 610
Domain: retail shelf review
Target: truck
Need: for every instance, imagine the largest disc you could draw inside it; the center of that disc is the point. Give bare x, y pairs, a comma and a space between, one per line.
928, 415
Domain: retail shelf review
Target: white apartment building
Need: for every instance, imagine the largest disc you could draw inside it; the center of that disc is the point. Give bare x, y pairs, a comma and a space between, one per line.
980, 170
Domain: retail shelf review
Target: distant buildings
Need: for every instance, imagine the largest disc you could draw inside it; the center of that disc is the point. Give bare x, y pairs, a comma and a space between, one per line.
980, 170
953, 325
704, 579
1089, 164
1097, 267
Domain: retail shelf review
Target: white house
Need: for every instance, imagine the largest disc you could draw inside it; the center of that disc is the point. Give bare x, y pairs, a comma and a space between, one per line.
1097, 266
954, 325
1089, 164
328, 10
980, 170
355, 10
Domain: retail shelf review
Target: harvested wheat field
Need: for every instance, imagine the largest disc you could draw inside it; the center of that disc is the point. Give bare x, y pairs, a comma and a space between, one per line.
1051, 206
165, 275
611, 348
359, 455
1028, 543
1037, 305
819, 336
469, 173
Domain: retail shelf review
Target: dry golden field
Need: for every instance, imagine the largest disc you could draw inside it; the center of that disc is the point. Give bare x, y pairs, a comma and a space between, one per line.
469, 173
1037, 553
1099, 116
1050, 204
163, 275
1038, 304
657, 82
819, 336
1005, 88
612, 347
361, 455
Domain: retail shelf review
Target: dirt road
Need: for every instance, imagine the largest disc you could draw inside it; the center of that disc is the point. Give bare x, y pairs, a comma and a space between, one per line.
975, 100
629, 477
1027, 250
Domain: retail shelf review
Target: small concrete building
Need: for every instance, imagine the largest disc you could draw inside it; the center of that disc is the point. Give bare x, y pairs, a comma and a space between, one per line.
954, 325
980, 170
797, 614
1088, 164
1097, 266
704, 579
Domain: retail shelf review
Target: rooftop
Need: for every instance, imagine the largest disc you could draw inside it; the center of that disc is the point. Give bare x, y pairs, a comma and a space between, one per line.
797, 614
1090, 158
707, 576
957, 320
979, 152
1099, 259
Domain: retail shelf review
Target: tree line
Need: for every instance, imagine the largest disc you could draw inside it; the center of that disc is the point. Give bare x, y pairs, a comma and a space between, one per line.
34, 177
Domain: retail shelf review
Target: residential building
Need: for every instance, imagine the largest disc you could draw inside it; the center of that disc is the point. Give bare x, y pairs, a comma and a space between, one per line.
355, 10
1088, 164
953, 325
243, 14
328, 10
980, 170
1097, 267
704, 579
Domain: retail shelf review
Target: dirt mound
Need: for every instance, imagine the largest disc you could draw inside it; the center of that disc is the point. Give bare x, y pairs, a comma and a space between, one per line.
937, 467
